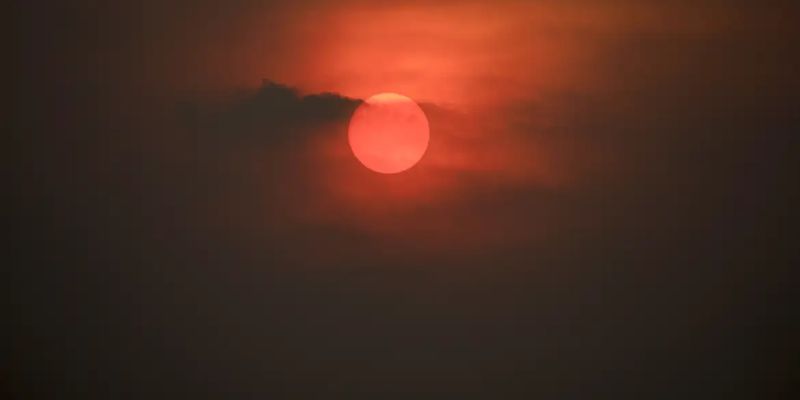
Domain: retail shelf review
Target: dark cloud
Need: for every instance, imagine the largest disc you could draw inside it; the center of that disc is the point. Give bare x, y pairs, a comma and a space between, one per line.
277, 113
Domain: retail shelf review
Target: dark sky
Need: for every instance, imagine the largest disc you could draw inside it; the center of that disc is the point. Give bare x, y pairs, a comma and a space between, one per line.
607, 209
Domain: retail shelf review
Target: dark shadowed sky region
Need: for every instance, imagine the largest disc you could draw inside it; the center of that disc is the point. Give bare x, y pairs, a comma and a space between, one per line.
607, 207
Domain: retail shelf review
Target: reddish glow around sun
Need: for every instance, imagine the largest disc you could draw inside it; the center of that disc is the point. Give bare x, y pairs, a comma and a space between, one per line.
388, 133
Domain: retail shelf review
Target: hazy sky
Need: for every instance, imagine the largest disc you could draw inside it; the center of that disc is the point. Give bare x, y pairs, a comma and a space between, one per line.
607, 208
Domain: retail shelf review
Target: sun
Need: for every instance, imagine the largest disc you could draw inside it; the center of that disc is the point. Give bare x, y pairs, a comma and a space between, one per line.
389, 133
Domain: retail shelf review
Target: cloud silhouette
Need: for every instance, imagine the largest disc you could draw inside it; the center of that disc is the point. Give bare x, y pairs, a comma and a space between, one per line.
276, 112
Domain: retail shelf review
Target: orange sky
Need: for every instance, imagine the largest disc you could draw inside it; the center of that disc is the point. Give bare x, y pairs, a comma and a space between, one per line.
516, 92
450, 52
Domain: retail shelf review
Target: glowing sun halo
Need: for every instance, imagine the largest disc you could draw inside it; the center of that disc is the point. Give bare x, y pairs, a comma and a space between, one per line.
388, 133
